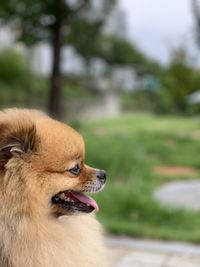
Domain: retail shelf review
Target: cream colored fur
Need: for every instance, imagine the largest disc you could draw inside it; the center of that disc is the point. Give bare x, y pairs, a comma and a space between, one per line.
69, 242
34, 151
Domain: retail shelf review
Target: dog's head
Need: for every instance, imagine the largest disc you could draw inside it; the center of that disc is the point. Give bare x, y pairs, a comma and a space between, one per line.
42, 168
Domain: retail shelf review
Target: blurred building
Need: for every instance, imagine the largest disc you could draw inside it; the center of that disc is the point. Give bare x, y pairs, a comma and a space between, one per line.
193, 98
6, 37
116, 23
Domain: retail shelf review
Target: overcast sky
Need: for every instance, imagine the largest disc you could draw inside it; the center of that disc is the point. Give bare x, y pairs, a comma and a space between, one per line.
159, 25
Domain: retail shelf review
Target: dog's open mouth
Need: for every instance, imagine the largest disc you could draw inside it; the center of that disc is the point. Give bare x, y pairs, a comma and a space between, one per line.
75, 202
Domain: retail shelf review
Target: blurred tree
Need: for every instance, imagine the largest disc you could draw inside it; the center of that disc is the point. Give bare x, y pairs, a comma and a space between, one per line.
179, 79
36, 20
85, 40
115, 50
13, 67
196, 12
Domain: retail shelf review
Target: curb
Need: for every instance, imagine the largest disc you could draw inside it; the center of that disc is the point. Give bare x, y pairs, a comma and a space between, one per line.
168, 247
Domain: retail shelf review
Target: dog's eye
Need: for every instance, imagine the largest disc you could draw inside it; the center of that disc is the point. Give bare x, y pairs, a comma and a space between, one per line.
75, 170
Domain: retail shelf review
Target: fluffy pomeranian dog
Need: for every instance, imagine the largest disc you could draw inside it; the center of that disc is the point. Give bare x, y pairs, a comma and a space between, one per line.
44, 211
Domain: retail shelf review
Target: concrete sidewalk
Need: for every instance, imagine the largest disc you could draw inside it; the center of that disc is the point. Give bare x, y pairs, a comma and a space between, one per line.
128, 252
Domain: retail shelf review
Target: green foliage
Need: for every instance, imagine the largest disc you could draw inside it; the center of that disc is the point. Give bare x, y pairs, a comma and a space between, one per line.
85, 38
36, 19
163, 102
129, 148
115, 50
53, 21
13, 67
85, 32
158, 102
179, 80
175, 82
139, 101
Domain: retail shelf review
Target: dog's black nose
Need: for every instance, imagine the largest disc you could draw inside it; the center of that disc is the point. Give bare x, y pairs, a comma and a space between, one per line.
101, 174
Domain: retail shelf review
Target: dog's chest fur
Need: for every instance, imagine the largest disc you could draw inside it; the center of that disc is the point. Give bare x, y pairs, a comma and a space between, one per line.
70, 242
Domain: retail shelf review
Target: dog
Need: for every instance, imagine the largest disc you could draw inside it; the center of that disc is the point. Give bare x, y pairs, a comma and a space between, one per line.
46, 219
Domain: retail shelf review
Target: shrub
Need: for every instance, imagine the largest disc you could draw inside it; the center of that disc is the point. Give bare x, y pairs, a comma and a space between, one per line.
13, 67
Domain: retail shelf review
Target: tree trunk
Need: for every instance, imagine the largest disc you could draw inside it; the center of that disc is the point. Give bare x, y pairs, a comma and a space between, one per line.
55, 105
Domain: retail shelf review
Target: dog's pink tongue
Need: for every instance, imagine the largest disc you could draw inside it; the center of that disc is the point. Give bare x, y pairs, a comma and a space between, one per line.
85, 199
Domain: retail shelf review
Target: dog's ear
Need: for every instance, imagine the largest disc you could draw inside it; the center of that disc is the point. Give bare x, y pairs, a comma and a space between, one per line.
16, 139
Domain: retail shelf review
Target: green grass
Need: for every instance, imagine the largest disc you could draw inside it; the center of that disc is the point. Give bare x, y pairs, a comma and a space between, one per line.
129, 147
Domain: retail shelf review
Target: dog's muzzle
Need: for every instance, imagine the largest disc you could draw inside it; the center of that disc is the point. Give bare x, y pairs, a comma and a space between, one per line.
97, 183
73, 201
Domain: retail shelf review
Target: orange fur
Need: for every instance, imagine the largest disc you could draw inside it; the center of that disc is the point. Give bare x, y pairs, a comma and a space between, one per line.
35, 152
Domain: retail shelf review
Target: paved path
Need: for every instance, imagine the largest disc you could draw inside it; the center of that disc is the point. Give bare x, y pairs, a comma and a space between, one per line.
182, 194
127, 252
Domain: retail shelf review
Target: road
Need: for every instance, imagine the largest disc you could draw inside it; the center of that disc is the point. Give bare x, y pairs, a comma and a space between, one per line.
127, 252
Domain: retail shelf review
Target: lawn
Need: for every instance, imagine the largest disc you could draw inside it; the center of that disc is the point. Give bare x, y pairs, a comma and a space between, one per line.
129, 148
